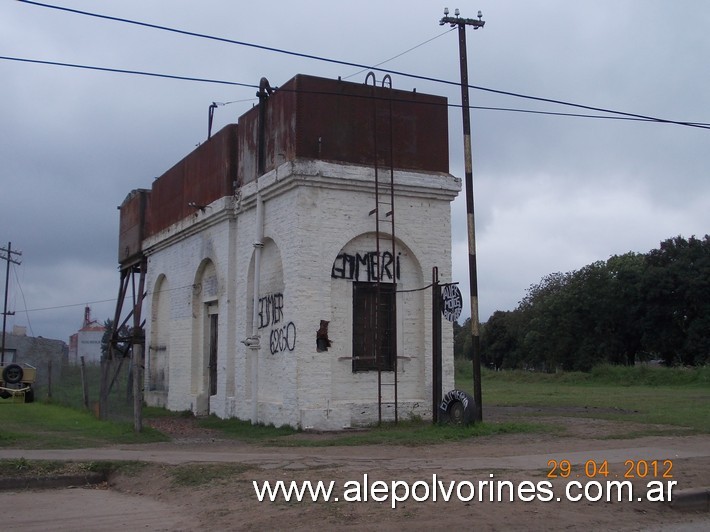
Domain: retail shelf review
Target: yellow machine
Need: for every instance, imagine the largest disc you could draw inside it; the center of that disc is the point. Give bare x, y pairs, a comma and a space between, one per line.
16, 381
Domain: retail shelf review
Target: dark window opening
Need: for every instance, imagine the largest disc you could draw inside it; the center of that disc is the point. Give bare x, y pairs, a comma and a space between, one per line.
214, 331
322, 340
374, 330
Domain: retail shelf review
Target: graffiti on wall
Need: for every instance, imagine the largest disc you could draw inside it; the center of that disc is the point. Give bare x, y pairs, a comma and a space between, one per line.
271, 310
271, 314
366, 266
283, 338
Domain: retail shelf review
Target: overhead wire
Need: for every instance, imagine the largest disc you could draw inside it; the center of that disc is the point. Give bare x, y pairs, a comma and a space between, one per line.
362, 66
400, 54
254, 86
70, 305
24, 301
126, 71
112, 300
621, 115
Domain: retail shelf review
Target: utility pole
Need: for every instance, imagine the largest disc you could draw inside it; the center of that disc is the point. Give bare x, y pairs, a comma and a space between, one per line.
472, 268
8, 259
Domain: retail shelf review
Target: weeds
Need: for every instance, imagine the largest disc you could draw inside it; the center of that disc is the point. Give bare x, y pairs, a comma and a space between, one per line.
195, 475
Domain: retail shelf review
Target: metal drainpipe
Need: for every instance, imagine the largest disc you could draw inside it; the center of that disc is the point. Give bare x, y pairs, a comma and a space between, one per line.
265, 91
253, 342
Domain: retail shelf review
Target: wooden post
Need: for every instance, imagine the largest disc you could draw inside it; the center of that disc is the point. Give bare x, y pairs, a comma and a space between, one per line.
470, 219
49, 379
138, 346
84, 384
104, 390
436, 345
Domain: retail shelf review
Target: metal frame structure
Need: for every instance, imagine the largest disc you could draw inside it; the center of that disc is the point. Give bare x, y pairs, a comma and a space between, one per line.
131, 345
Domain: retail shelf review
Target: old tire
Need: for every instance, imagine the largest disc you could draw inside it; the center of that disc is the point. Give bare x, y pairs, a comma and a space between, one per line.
12, 374
457, 408
30, 396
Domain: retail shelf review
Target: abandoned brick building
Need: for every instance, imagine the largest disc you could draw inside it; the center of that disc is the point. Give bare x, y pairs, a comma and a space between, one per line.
284, 259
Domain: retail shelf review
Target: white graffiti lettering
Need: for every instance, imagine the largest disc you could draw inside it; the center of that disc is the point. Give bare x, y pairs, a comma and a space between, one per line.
452, 302
454, 395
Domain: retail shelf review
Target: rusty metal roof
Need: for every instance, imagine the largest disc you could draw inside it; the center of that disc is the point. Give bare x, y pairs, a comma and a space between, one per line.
308, 117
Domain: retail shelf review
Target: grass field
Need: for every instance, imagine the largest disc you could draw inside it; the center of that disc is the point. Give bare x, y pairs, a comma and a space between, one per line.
675, 397
644, 394
50, 426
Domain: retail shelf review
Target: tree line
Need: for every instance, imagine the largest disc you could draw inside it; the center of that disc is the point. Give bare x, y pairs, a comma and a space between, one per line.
652, 306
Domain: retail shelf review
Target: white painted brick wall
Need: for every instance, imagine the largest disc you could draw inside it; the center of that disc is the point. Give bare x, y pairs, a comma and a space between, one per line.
312, 212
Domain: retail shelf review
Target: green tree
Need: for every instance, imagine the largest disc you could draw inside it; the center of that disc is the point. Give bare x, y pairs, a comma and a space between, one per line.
499, 343
622, 320
614, 311
463, 344
676, 285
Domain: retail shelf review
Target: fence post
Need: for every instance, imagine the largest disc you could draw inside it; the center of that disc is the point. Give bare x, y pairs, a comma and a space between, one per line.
138, 346
104, 389
49, 379
436, 356
84, 384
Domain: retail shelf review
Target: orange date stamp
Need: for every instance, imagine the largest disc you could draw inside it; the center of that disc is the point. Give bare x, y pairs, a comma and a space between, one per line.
631, 469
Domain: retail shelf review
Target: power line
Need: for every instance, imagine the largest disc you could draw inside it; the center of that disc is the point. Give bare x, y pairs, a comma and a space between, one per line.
24, 301
125, 71
249, 85
357, 65
702, 125
71, 305
400, 54
112, 300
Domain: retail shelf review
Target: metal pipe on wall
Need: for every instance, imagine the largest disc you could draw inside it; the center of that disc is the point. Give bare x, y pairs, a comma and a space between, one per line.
253, 343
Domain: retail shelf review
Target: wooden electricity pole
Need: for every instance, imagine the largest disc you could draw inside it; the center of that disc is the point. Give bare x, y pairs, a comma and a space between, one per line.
472, 268
8, 259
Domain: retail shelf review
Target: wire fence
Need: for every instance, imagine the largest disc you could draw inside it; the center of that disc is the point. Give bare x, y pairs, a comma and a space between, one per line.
79, 386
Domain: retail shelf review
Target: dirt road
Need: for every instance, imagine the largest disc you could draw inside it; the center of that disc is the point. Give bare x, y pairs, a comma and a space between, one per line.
156, 498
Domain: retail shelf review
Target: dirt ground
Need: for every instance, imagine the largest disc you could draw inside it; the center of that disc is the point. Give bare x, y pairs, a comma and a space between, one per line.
229, 502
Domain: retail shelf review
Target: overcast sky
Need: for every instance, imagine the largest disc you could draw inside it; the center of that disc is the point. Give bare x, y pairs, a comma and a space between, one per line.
552, 193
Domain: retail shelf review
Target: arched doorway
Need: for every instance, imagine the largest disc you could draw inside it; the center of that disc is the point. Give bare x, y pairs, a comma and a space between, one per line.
205, 345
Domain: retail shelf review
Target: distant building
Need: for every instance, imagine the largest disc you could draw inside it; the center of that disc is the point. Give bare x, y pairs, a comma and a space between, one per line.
37, 352
279, 288
86, 342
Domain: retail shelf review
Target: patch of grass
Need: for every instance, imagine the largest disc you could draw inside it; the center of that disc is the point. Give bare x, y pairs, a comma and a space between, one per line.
414, 433
128, 467
244, 430
195, 475
8, 438
651, 375
641, 394
670, 397
48, 426
605, 374
23, 468
685, 407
